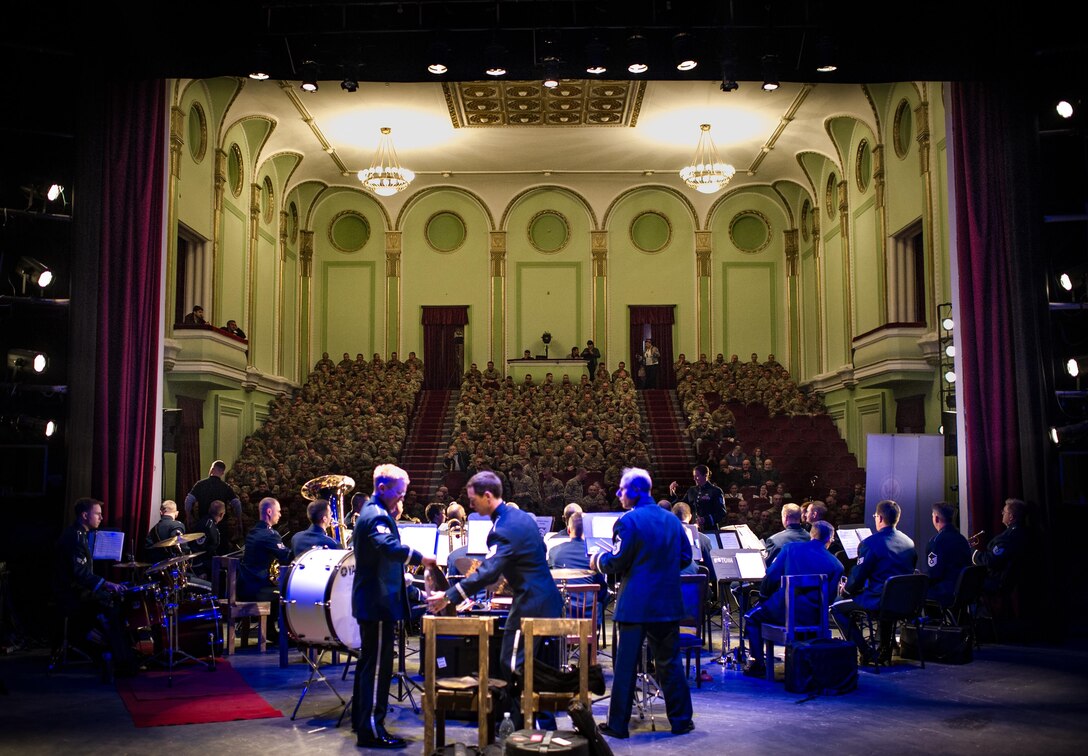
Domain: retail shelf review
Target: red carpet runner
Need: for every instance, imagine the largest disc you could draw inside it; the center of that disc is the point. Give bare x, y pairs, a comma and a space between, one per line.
196, 697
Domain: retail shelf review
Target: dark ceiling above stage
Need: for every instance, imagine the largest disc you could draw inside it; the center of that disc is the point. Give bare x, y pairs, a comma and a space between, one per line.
374, 40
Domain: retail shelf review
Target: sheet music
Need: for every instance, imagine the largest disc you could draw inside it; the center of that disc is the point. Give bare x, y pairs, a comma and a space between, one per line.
477, 535
602, 524
692, 533
851, 538
728, 539
544, 524
442, 551
423, 537
750, 565
108, 544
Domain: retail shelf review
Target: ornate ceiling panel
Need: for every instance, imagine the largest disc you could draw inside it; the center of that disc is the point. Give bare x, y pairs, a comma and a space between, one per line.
575, 102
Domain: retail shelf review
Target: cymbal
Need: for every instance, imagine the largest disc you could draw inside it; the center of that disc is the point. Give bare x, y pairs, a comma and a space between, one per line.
172, 561
177, 540
131, 565
570, 573
312, 489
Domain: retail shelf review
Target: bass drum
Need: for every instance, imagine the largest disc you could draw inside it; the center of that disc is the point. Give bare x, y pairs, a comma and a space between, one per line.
317, 603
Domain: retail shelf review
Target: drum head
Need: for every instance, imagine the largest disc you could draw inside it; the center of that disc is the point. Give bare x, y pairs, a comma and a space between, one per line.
317, 599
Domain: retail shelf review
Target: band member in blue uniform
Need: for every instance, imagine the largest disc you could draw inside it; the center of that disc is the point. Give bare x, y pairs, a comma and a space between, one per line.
650, 548
379, 599
1002, 555
810, 557
263, 547
704, 498
168, 526
947, 553
792, 532
516, 552
884, 554
315, 536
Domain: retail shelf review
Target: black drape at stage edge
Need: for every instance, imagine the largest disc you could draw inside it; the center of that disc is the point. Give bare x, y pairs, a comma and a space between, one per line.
188, 458
999, 344
126, 411
440, 368
660, 318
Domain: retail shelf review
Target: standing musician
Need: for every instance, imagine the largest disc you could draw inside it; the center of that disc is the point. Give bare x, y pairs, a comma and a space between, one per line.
315, 536
650, 550
210, 543
704, 498
379, 600
207, 490
515, 551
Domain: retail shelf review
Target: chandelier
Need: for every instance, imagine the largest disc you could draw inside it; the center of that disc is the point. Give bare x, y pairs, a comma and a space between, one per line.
707, 173
385, 177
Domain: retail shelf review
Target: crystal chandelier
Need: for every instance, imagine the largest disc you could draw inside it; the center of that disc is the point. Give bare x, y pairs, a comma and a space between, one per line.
385, 177
707, 173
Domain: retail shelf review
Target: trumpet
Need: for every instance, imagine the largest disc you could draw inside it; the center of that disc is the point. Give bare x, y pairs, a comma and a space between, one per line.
455, 533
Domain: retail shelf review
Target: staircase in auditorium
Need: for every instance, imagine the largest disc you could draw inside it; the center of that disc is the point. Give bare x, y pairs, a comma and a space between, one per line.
670, 452
427, 439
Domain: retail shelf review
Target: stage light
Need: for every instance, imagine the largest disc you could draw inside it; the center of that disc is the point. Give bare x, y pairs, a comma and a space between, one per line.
34, 271
950, 376
349, 84
494, 55
1067, 433
950, 350
1065, 109
637, 54
595, 55
55, 190
440, 53
551, 73
825, 54
35, 426
948, 324
1076, 366
309, 76
683, 50
770, 73
27, 359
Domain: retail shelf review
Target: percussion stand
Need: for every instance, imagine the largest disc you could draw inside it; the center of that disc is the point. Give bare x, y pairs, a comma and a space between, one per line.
646, 688
314, 662
405, 684
170, 616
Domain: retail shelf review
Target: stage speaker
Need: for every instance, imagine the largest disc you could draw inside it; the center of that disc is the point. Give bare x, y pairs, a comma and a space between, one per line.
171, 429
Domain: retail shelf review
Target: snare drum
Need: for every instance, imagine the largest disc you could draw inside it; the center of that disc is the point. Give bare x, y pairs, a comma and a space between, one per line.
317, 604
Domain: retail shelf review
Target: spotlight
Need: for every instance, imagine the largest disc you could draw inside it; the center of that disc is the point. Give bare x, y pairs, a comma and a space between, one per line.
683, 52
1076, 366
551, 74
259, 76
825, 55
1065, 281
770, 73
1066, 433
55, 190
437, 68
261, 65
36, 426
1065, 109
27, 359
309, 76
950, 376
637, 54
349, 85
35, 272
595, 54
948, 324
494, 55
439, 54
950, 350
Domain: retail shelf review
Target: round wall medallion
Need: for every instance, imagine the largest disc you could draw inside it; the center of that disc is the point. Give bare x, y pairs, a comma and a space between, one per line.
268, 196
549, 231
806, 220
234, 170
651, 231
349, 231
750, 231
864, 168
445, 231
903, 129
831, 195
198, 132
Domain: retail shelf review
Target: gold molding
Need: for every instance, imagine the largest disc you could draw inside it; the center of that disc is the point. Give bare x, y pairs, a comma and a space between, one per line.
878, 174
306, 255
766, 224
786, 119
830, 197
903, 106
575, 103
631, 232
598, 241
579, 198
235, 149
864, 143
806, 216
392, 254
792, 248
266, 187
497, 252
535, 218
198, 155
289, 91
345, 213
427, 238
921, 117
177, 141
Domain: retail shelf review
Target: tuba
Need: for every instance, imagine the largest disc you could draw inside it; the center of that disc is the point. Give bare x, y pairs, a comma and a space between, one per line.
334, 488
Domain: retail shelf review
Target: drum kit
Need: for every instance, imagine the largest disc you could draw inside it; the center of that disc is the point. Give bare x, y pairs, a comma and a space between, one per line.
170, 614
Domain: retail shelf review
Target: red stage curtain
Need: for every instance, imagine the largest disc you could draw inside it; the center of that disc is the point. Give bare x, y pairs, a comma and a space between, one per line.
440, 365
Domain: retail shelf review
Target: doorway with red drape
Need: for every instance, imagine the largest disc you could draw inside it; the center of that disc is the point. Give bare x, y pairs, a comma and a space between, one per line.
443, 345
653, 322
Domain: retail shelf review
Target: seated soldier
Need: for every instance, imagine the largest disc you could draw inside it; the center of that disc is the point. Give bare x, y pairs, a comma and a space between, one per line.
315, 536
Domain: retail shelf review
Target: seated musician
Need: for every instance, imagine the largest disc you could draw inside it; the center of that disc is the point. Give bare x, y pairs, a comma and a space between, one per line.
263, 548
79, 593
573, 555
168, 526
810, 557
316, 536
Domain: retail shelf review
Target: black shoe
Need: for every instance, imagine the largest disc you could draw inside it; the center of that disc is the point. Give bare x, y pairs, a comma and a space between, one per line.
383, 740
683, 729
755, 668
606, 730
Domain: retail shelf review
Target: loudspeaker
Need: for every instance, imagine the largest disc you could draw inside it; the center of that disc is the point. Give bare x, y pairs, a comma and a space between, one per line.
171, 429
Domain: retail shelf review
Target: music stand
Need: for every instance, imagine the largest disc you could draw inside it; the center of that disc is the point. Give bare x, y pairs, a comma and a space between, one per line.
735, 566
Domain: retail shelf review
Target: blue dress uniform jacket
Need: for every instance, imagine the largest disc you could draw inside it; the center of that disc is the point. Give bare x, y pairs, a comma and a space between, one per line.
882, 555
263, 547
795, 533
799, 558
707, 501
947, 553
378, 590
1001, 557
313, 537
515, 551
74, 578
648, 542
